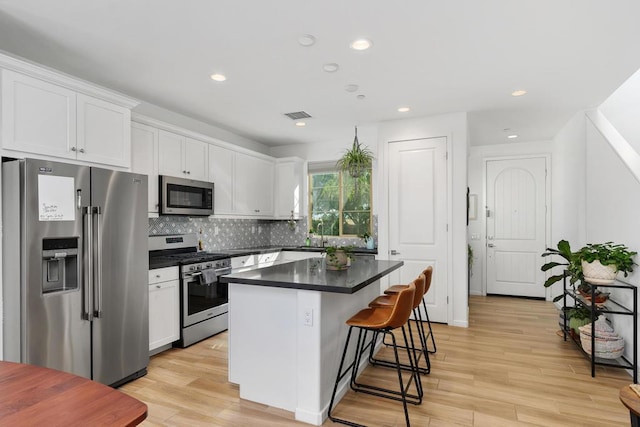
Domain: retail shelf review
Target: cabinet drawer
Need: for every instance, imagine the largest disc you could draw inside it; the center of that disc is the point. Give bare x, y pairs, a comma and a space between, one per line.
267, 258
163, 274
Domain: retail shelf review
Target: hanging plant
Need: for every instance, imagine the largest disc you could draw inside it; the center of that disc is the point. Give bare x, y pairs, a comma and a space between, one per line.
357, 160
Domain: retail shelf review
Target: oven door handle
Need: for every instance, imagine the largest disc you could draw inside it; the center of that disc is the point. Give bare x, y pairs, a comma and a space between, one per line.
223, 271
199, 273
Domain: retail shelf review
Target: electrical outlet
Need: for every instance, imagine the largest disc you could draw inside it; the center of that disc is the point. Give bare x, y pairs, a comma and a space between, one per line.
308, 317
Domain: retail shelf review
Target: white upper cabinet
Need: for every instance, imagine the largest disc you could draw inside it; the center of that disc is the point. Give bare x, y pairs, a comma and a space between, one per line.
290, 188
104, 132
253, 188
37, 116
40, 116
221, 166
144, 158
182, 157
196, 157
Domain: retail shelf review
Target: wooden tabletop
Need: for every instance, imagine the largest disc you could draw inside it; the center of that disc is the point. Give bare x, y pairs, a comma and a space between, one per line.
630, 399
34, 396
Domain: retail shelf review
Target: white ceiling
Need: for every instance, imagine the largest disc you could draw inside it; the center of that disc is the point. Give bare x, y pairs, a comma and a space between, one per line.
436, 56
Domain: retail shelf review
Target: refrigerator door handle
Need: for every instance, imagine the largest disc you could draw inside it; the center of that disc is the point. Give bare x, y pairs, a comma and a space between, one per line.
88, 271
98, 263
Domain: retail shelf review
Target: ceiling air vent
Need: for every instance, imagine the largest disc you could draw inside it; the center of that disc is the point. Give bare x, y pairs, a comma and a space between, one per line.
298, 115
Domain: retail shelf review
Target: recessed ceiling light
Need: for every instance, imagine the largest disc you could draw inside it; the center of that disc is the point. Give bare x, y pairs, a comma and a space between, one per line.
403, 109
361, 44
361, 97
518, 92
351, 88
331, 67
514, 136
306, 40
218, 77
301, 124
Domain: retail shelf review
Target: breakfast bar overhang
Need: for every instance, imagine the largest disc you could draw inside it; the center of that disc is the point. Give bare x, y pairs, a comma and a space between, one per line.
287, 328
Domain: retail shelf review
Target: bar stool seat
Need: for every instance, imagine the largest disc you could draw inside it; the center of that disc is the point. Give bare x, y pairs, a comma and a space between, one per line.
393, 290
378, 320
386, 301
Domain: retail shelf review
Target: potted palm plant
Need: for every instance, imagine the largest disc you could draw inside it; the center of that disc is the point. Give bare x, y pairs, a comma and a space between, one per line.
356, 160
571, 263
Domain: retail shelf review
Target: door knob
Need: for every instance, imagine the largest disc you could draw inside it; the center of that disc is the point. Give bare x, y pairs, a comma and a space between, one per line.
491, 245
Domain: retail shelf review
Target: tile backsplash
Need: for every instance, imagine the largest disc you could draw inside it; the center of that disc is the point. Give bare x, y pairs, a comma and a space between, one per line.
224, 233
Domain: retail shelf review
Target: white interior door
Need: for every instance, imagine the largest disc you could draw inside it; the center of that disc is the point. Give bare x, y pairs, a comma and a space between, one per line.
516, 226
417, 216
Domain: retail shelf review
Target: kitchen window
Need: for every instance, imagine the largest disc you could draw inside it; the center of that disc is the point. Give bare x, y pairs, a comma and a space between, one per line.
339, 205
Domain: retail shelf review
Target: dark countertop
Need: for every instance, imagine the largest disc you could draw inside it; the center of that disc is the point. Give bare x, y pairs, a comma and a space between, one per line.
162, 262
268, 249
171, 262
310, 274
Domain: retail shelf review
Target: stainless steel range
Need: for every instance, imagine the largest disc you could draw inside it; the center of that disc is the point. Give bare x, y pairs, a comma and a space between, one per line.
203, 299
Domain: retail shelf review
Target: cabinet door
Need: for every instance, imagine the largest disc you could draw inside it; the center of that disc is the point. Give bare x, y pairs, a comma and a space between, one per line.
170, 154
289, 188
221, 166
196, 157
144, 158
253, 188
164, 311
265, 171
104, 132
37, 117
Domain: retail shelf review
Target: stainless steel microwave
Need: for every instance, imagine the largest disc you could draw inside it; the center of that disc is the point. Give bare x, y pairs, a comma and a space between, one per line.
179, 196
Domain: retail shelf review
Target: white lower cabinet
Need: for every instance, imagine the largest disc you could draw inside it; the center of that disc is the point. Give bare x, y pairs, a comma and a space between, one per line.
298, 255
164, 307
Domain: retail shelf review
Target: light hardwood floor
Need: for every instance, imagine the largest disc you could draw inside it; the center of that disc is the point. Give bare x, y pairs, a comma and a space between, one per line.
509, 368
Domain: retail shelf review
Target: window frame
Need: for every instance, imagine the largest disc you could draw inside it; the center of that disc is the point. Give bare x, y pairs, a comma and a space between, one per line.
340, 201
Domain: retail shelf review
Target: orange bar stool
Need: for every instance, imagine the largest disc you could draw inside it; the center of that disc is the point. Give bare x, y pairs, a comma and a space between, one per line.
380, 320
387, 301
428, 273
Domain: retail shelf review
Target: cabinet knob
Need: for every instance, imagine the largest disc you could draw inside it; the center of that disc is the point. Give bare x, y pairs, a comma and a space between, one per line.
184, 171
188, 172
158, 286
81, 150
73, 148
157, 276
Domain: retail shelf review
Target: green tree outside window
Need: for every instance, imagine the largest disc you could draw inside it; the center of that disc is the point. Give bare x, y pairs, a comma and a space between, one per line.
340, 204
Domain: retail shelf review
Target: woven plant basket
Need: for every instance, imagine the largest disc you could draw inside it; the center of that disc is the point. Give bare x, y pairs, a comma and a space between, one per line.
609, 345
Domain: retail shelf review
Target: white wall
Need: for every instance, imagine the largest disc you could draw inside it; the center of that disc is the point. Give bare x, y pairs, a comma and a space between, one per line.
454, 128
612, 207
477, 228
159, 113
331, 151
451, 126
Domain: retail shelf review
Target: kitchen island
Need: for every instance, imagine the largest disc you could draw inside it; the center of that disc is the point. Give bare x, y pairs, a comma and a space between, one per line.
287, 328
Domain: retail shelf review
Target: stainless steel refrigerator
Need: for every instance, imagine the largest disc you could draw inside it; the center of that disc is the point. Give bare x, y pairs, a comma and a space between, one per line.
75, 269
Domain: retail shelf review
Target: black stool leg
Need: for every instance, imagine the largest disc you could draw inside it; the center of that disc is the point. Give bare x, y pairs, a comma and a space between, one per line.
433, 341
339, 376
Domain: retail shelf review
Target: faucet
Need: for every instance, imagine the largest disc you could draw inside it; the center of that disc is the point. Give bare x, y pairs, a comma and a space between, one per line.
321, 226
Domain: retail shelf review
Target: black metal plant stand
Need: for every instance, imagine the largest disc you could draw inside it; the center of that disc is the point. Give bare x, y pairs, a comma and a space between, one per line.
611, 306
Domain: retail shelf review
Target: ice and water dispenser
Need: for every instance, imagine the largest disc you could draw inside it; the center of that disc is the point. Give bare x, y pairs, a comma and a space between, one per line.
59, 264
